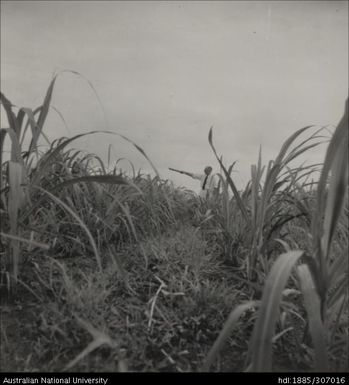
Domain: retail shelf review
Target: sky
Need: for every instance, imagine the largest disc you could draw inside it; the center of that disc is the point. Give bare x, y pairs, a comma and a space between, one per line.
166, 71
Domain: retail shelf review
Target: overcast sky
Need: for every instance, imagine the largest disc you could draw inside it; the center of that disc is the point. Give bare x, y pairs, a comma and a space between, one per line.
166, 71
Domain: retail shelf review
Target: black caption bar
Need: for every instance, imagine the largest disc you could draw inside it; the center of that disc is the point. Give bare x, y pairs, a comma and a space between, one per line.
173, 378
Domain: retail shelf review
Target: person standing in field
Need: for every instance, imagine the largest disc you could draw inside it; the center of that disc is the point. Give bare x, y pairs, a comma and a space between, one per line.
208, 182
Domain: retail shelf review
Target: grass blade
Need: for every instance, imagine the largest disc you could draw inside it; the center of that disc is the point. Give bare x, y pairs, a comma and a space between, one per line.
30, 242
313, 308
229, 180
99, 339
109, 179
330, 201
264, 328
337, 191
143, 153
15, 201
45, 105
225, 333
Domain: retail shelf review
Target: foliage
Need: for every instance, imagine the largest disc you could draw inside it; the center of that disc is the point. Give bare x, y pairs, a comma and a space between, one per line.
132, 273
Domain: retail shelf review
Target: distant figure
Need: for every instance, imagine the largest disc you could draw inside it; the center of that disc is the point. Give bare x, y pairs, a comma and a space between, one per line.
76, 169
208, 182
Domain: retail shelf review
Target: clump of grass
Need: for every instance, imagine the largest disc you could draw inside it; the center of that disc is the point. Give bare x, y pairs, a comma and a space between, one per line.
317, 272
31, 177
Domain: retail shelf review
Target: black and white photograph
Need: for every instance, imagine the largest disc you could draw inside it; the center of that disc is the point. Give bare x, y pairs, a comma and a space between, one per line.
174, 190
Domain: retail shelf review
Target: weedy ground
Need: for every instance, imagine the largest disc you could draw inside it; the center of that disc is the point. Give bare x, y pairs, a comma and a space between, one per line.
157, 304
163, 310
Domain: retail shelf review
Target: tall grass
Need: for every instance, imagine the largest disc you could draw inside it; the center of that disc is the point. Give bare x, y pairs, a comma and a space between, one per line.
281, 234
262, 205
27, 173
318, 271
78, 184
